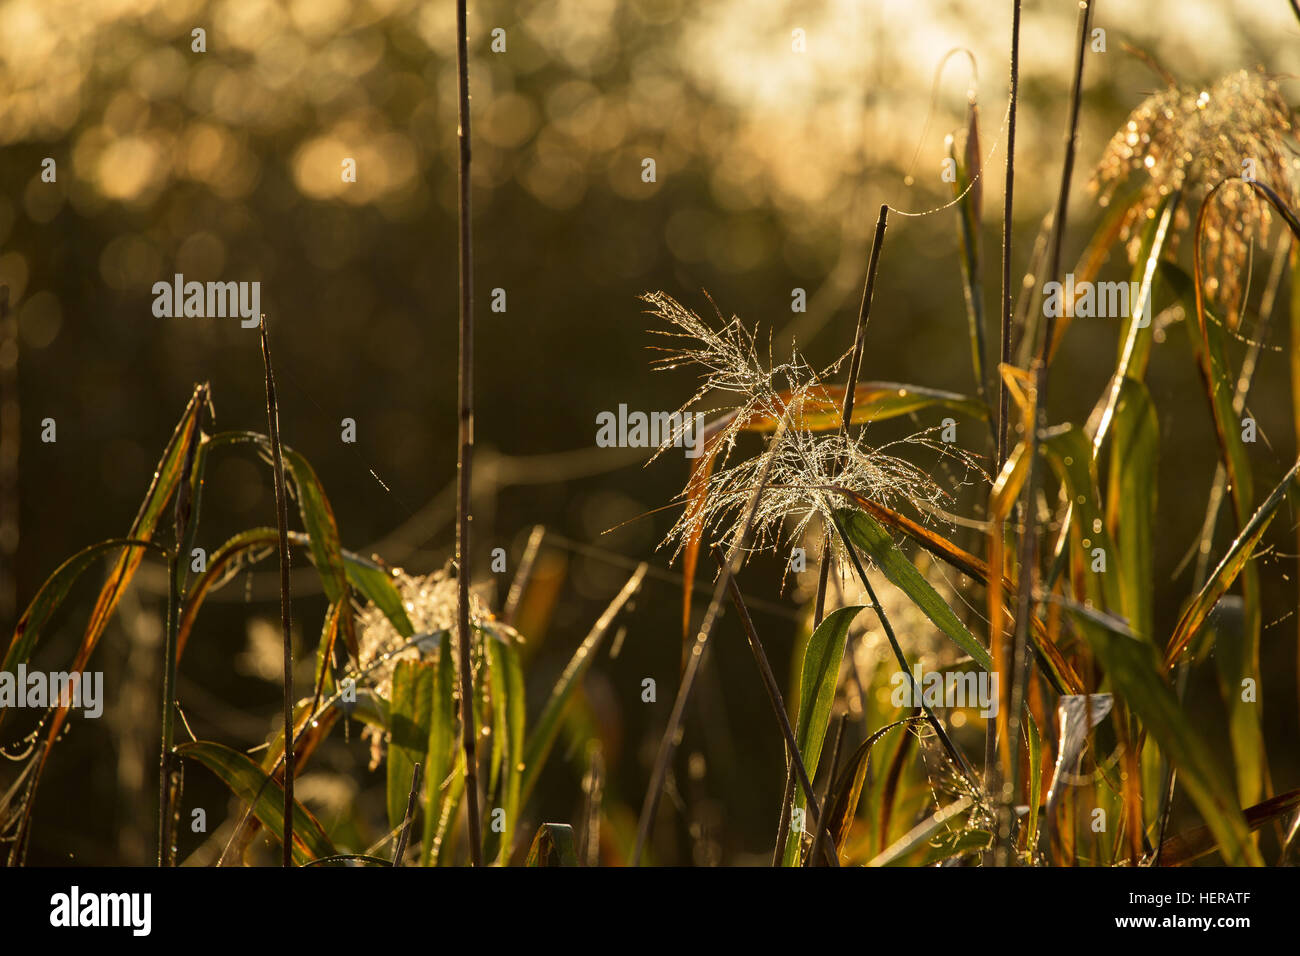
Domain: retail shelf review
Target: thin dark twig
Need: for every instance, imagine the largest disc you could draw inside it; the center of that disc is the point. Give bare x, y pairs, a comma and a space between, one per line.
404, 835
819, 841
282, 523
778, 707
465, 459
787, 807
1004, 354
668, 744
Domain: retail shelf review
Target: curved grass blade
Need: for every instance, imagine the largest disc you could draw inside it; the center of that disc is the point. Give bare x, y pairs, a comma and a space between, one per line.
51, 596
250, 783
161, 489
848, 791
1236, 558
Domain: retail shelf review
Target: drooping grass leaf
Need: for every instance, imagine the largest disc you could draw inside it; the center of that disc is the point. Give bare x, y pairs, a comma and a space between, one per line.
1134, 673
848, 791
249, 782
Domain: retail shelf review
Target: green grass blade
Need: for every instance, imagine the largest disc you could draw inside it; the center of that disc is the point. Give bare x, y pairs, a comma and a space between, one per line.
866, 533
410, 715
506, 680
250, 783
1131, 503
1070, 454
441, 750
818, 678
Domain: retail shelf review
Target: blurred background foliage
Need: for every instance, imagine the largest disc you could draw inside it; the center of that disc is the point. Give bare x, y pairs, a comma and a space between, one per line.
770, 165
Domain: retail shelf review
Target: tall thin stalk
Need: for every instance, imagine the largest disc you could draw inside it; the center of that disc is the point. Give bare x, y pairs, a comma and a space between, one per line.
1007, 319
1028, 550
282, 523
465, 458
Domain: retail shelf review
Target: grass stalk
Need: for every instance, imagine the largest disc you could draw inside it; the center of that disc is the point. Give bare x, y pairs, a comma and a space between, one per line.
1028, 549
1006, 321
282, 524
465, 458
783, 719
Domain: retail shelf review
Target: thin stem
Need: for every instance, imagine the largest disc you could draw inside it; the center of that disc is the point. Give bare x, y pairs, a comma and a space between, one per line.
819, 841
864, 314
404, 834
778, 707
282, 524
992, 774
956, 756
465, 459
1004, 352
1028, 550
